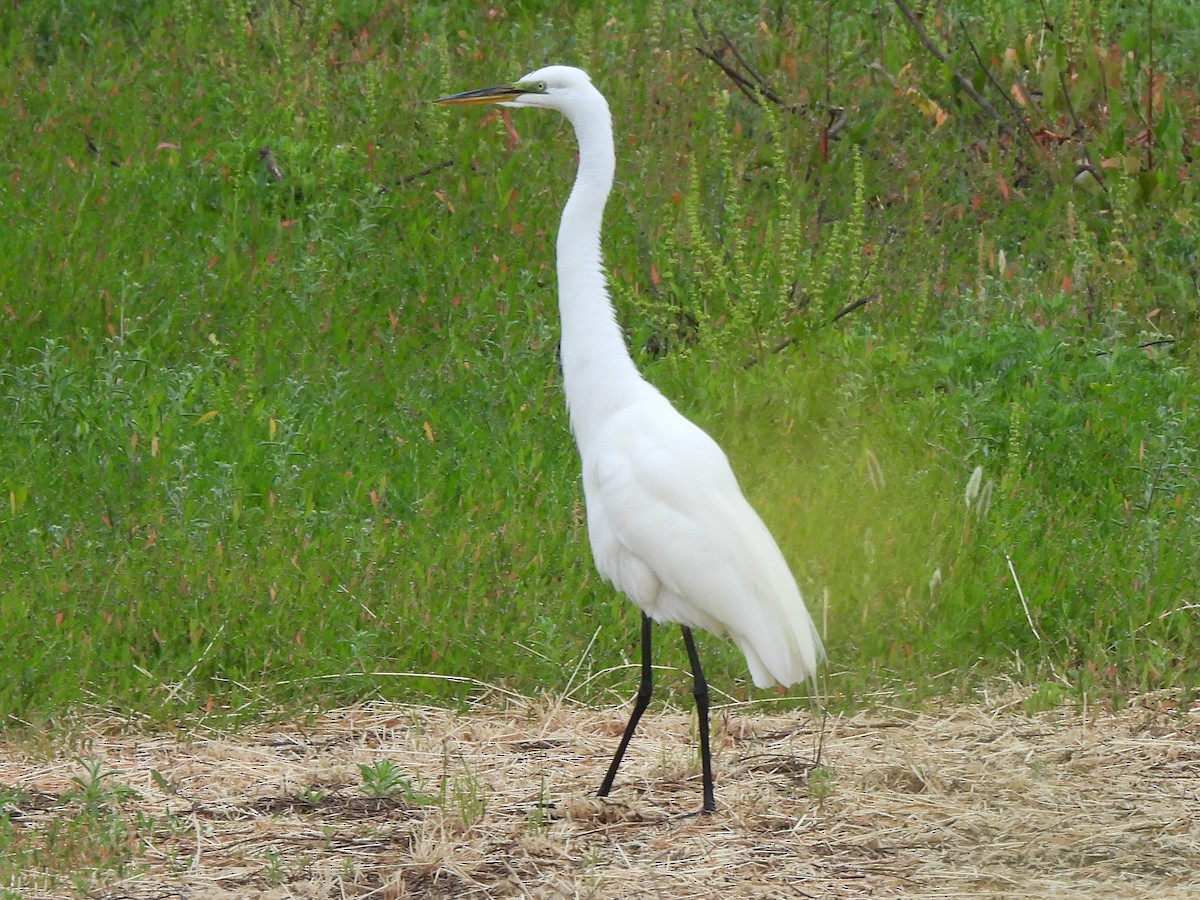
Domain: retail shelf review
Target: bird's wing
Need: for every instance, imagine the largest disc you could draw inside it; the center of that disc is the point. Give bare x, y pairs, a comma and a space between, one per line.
671, 529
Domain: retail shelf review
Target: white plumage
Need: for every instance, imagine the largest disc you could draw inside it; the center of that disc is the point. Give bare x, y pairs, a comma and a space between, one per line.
670, 528
668, 525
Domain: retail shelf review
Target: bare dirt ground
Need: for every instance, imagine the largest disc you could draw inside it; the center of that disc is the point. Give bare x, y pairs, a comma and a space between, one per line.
977, 801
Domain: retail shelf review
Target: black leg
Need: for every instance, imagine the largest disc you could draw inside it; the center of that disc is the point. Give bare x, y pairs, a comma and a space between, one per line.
639, 706
700, 692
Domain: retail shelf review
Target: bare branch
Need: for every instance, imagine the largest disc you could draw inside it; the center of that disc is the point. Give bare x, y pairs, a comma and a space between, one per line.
963, 82
784, 343
428, 170
1089, 165
991, 78
853, 305
749, 90
744, 76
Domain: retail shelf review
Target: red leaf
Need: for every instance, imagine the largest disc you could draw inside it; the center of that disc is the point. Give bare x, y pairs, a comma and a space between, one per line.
1003, 186
513, 137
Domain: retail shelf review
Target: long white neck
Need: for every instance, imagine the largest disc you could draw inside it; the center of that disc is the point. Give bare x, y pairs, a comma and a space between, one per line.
598, 374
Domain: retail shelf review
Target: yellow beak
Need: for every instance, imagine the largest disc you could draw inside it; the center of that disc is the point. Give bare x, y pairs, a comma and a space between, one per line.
495, 94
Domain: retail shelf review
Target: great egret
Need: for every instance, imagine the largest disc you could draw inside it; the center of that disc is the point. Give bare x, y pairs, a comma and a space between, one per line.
667, 523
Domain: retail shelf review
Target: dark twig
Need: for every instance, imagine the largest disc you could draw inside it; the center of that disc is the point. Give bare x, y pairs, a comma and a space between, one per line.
778, 347
999, 88
1062, 83
1046, 23
758, 79
963, 82
744, 85
854, 304
749, 90
742, 74
428, 170
1144, 345
784, 343
1089, 165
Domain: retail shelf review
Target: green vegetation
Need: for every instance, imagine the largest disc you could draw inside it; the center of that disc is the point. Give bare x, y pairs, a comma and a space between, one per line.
90, 838
383, 778
282, 404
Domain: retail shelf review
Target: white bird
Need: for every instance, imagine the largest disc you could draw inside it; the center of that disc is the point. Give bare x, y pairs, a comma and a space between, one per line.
667, 523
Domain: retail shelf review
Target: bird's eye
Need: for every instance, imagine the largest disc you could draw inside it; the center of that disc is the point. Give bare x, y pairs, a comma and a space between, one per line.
541, 87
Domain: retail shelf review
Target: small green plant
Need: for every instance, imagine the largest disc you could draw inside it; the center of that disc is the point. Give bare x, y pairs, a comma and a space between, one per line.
163, 783
383, 778
538, 819
94, 791
821, 783
461, 794
312, 796
469, 801
273, 870
592, 874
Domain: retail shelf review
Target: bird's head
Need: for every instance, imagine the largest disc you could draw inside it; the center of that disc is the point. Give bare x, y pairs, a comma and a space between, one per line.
553, 87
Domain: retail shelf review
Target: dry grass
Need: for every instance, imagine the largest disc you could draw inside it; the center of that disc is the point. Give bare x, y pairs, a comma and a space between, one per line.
979, 801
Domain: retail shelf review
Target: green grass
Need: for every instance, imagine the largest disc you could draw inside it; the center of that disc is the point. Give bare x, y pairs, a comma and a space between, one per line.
268, 442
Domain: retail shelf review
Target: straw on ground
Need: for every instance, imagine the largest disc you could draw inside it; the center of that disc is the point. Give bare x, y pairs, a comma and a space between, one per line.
964, 801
